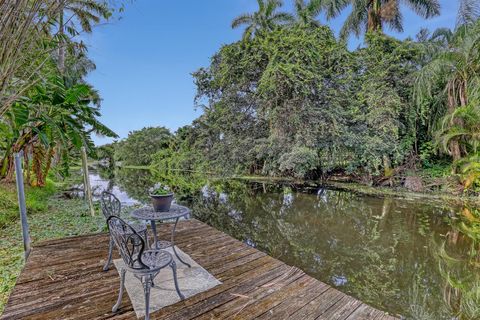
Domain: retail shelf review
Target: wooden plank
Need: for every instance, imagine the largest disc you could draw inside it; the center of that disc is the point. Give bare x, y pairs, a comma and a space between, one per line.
365, 312
263, 303
318, 305
341, 309
291, 305
254, 280
65, 241
243, 305
264, 268
63, 279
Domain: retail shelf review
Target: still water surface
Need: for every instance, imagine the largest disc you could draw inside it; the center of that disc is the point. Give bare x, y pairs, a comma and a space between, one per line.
409, 258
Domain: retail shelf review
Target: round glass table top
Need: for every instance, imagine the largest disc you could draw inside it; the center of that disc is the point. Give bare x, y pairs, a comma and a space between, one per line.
148, 213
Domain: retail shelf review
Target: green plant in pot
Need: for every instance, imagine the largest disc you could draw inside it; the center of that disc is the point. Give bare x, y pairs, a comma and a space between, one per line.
162, 197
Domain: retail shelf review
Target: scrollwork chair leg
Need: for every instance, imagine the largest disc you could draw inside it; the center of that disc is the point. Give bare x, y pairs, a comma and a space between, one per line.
146, 287
175, 280
109, 259
146, 239
120, 293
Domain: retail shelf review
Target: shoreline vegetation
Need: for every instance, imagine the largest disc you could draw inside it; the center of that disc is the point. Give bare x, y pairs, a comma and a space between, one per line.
377, 191
342, 183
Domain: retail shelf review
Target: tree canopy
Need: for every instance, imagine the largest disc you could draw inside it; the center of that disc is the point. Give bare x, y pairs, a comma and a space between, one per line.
384, 109
308, 112
138, 148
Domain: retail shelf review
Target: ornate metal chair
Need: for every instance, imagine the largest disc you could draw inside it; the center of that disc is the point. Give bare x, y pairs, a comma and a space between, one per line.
144, 264
112, 206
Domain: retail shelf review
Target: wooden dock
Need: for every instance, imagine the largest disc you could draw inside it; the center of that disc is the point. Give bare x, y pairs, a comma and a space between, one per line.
63, 279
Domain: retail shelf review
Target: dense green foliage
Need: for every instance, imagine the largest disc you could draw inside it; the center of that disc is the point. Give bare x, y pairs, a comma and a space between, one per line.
47, 109
379, 113
272, 109
138, 148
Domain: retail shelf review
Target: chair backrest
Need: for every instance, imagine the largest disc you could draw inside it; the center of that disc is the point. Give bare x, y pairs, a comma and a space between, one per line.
129, 243
110, 204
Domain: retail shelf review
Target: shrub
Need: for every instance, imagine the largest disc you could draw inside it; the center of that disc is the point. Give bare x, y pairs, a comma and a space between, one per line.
299, 163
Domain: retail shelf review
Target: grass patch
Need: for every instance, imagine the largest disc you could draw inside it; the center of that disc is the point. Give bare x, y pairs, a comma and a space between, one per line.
36, 200
49, 215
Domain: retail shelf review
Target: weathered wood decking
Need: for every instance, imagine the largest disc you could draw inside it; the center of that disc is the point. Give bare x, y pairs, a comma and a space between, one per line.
63, 279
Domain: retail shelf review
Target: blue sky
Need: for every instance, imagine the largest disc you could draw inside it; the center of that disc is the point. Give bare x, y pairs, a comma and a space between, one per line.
145, 59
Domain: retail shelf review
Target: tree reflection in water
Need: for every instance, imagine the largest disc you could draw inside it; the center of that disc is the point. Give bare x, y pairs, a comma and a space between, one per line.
405, 257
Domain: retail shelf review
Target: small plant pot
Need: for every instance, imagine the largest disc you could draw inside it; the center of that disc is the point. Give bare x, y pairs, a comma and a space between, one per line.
162, 203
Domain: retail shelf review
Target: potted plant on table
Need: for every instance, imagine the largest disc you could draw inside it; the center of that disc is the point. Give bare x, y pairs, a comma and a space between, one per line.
162, 197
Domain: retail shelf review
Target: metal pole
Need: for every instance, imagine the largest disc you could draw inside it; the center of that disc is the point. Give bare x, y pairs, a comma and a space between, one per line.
86, 182
21, 203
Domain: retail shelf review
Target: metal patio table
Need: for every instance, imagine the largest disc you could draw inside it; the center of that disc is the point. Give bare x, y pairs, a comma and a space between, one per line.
175, 213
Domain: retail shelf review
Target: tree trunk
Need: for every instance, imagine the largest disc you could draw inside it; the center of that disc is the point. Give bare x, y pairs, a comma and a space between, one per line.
26, 165
9, 177
61, 47
50, 154
463, 94
374, 22
387, 169
455, 150
4, 165
38, 156
454, 145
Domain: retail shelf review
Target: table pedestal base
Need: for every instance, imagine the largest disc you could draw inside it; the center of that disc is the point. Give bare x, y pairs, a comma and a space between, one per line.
163, 244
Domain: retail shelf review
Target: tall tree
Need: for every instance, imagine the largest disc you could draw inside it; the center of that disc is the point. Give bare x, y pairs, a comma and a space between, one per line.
265, 19
451, 81
306, 12
77, 16
374, 15
26, 44
140, 145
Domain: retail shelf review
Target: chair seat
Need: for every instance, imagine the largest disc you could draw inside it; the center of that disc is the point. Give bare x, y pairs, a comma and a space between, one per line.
138, 227
156, 259
162, 244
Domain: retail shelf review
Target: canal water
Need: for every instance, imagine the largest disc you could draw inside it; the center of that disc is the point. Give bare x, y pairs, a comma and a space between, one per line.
413, 259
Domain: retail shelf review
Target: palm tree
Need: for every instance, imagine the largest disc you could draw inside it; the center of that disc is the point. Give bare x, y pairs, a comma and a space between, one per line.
468, 12
373, 15
25, 46
452, 80
307, 12
265, 19
76, 16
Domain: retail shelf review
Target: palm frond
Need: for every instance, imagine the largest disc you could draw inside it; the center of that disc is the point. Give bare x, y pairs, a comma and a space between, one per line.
334, 7
245, 18
468, 12
271, 6
87, 12
355, 21
425, 8
423, 35
391, 15
249, 31
261, 5
282, 18
314, 7
443, 34
299, 6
